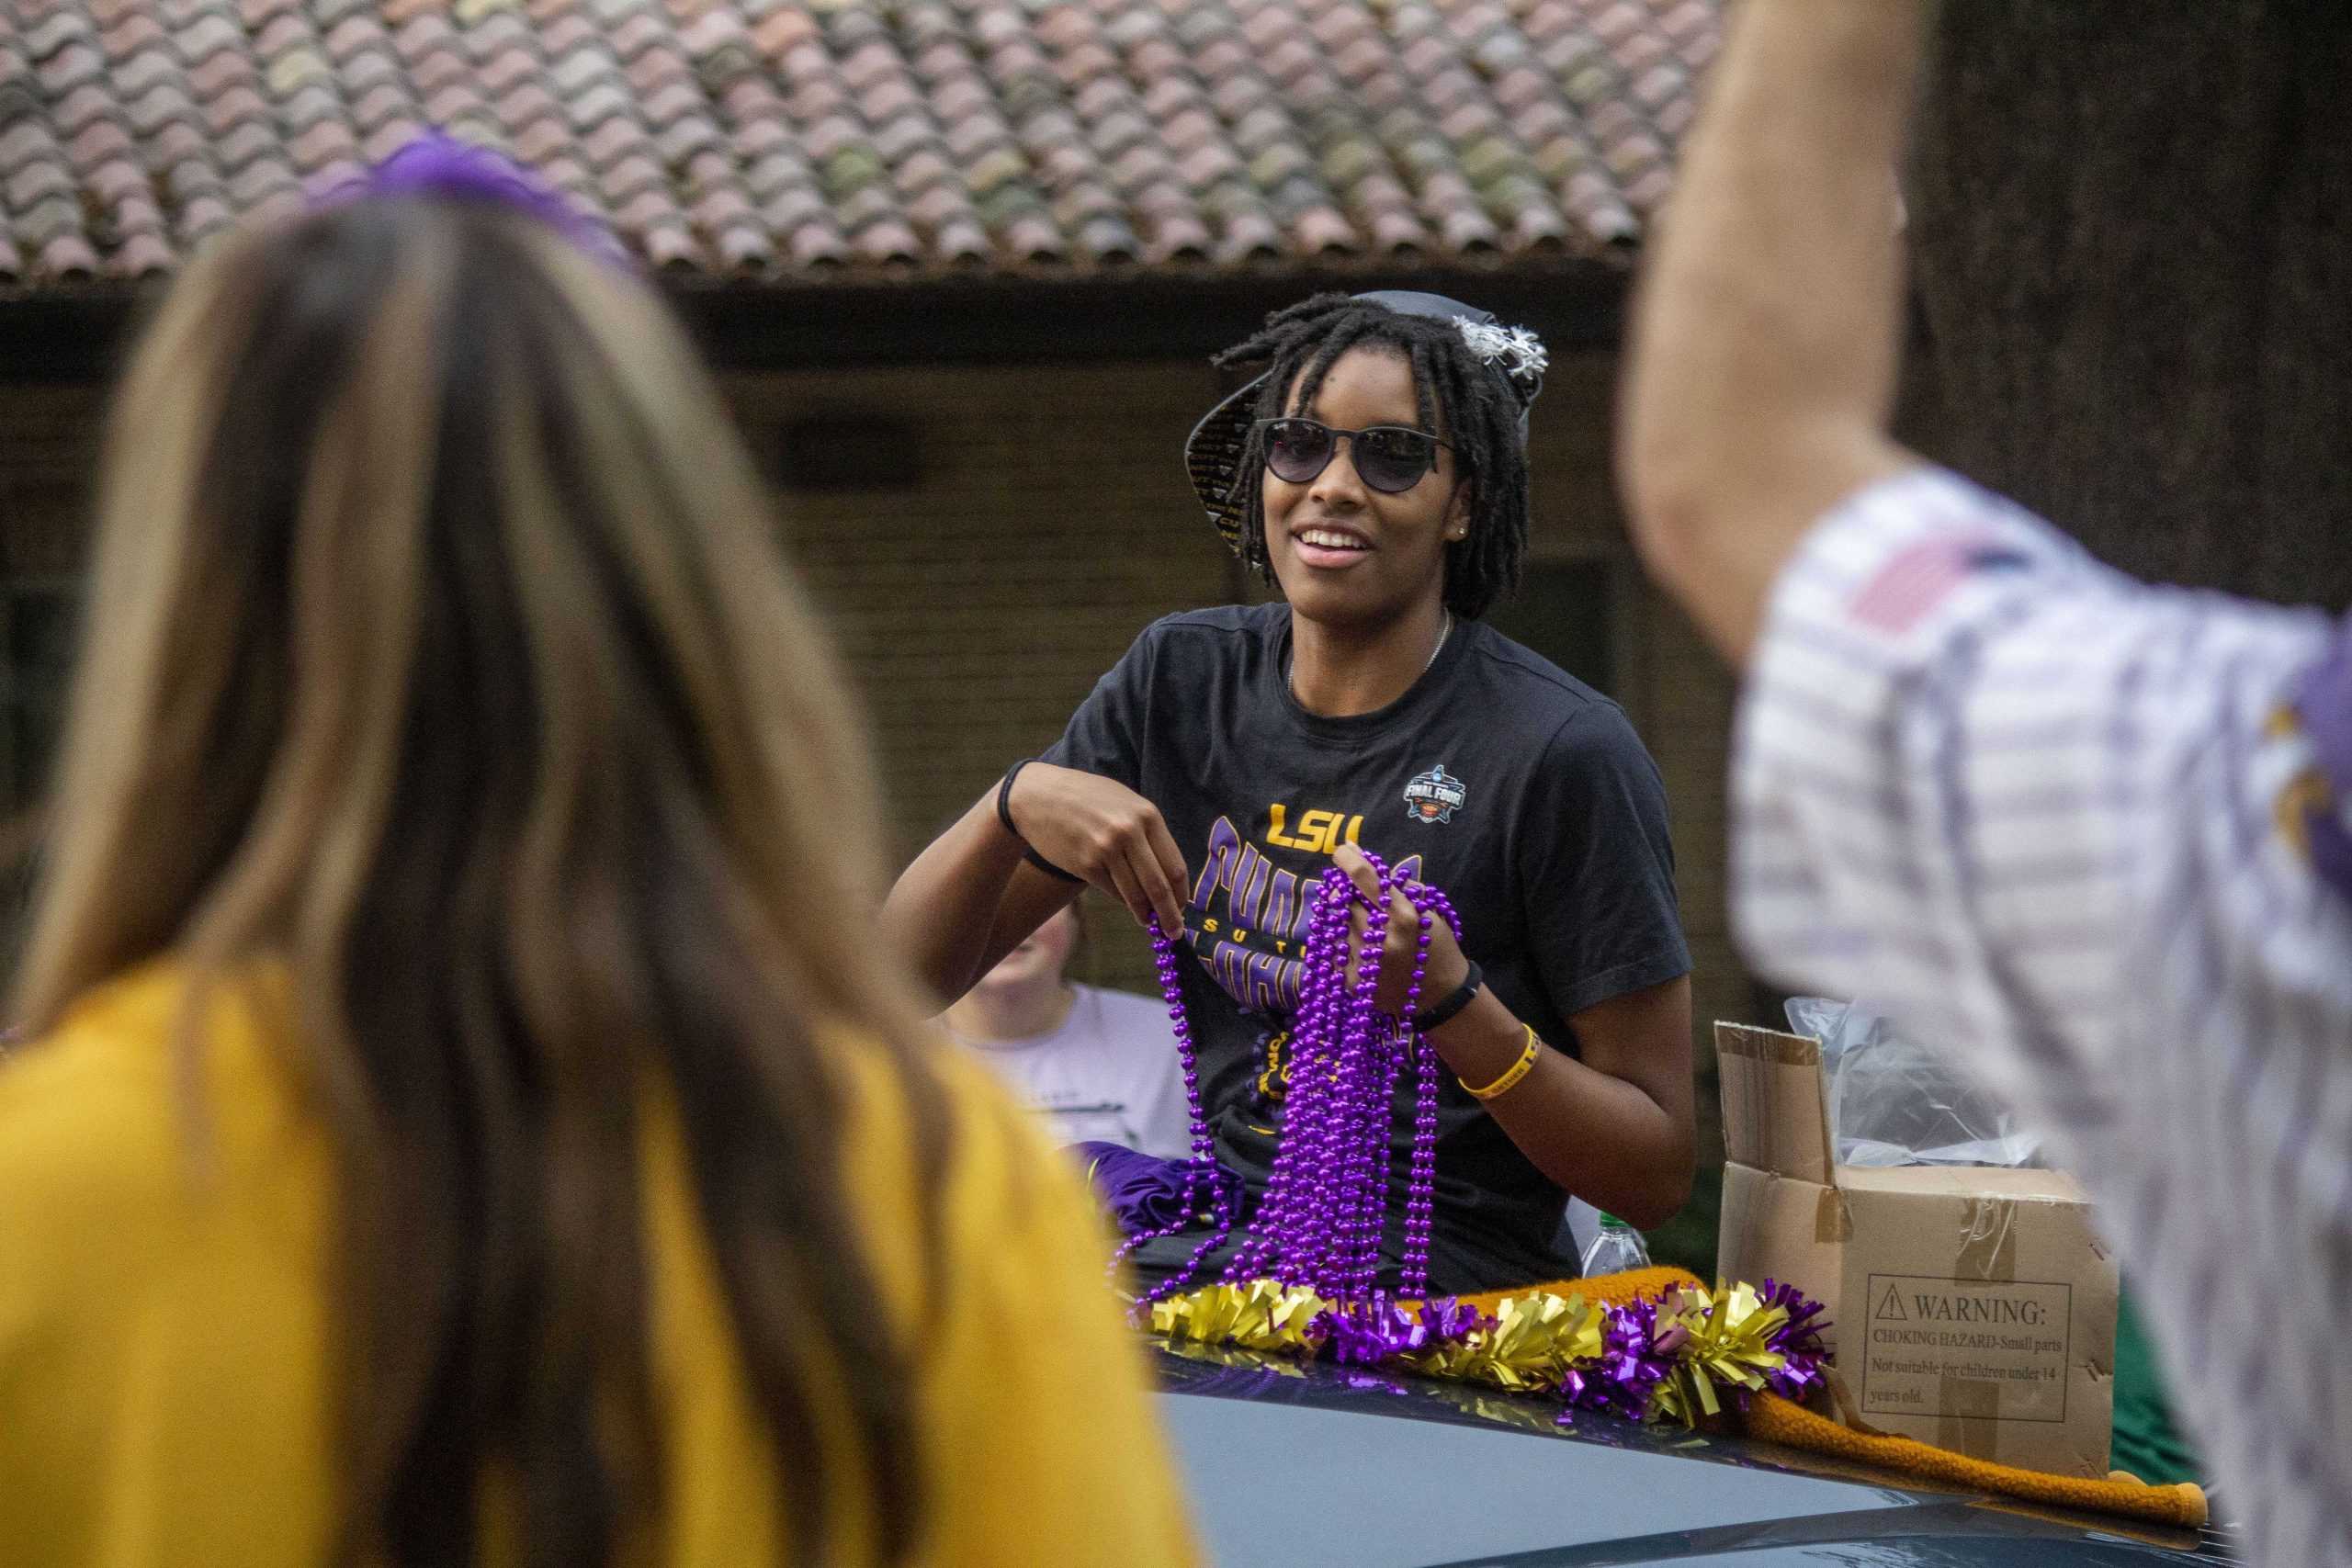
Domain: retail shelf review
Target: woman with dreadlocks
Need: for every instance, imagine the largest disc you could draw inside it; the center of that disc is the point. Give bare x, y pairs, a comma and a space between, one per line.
1376, 471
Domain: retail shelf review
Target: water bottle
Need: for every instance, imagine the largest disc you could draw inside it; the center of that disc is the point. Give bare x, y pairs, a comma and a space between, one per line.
1616, 1247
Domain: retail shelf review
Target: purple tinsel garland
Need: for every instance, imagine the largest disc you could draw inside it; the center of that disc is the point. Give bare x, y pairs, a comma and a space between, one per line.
1634, 1359
1361, 1332
1798, 1340
1637, 1355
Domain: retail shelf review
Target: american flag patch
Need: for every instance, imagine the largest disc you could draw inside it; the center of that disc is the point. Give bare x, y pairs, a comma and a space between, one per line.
1915, 580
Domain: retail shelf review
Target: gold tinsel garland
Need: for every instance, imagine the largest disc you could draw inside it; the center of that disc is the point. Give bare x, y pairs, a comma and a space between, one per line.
1729, 1345
1682, 1357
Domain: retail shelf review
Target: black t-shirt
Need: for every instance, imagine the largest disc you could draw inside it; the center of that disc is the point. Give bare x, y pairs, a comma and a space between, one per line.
1519, 790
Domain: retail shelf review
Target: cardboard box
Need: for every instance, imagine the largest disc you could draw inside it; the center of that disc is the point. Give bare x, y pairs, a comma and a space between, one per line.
1974, 1307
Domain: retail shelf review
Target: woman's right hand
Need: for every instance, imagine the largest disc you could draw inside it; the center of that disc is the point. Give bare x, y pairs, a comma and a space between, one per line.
1099, 829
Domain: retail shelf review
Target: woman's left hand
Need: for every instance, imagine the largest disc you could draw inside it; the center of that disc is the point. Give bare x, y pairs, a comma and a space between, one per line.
1445, 969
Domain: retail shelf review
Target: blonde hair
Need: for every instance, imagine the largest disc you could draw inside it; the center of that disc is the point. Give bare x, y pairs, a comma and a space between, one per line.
443, 652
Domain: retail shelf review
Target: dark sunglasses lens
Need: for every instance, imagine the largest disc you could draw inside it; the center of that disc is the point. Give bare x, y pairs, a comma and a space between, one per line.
1391, 459
1296, 449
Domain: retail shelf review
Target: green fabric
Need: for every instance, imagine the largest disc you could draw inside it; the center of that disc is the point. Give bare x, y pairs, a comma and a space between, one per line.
2146, 1444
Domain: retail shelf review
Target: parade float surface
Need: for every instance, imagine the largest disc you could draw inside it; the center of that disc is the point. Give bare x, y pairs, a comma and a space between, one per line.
1298, 1464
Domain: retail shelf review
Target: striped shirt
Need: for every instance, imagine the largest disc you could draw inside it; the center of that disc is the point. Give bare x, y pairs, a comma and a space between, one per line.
2057, 819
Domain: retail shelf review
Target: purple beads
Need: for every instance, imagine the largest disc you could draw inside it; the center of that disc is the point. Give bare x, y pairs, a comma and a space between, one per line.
1200, 1174
1320, 1222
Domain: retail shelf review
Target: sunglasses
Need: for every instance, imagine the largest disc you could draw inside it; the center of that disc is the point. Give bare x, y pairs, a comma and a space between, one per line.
1390, 458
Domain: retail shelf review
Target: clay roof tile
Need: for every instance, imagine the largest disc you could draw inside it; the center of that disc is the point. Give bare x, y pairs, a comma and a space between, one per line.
783, 137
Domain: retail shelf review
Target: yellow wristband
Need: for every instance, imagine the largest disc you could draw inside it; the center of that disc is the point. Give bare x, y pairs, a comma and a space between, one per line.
1518, 1069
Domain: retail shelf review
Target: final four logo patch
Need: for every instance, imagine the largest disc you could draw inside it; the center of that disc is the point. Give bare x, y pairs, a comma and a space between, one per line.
1434, 796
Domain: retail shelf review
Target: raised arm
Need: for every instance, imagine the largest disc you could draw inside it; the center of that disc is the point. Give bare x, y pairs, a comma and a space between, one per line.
952, 913
1765, 343
973, 895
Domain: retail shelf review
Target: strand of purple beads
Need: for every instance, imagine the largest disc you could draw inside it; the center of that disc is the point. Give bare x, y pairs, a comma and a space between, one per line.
1320, 1222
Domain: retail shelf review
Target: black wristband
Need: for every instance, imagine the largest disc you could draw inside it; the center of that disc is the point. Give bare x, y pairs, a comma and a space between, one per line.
1445, 1011
1004, 796
1050, 869
1004, 814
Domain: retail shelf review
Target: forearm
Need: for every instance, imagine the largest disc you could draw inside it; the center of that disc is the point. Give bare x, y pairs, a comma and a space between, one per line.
1765, 339
941, 911
1606, 1139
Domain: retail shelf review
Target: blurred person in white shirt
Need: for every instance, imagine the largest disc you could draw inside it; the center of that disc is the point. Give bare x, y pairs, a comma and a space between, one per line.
1100, 1064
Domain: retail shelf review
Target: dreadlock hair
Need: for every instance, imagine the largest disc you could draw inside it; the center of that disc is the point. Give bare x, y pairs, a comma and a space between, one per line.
1463, 397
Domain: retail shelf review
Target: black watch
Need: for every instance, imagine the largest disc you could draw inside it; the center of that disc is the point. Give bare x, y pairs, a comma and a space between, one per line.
1448, 1008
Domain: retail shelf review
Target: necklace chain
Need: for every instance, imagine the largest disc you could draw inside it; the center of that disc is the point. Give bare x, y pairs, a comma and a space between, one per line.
1444, 631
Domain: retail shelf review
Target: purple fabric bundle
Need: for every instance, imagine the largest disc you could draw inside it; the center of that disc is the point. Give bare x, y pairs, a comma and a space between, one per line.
1146, 1193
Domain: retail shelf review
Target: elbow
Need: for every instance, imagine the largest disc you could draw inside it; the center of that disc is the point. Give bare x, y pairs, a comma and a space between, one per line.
1659, 1200
1665, 511
1673, 408
1669, 475
1657, 1192
944, 974
1643, 1198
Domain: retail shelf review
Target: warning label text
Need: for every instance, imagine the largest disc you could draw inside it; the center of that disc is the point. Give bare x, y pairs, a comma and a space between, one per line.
1966, 1347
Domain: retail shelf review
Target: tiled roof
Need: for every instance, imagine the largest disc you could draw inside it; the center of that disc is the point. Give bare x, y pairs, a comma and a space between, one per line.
761, 139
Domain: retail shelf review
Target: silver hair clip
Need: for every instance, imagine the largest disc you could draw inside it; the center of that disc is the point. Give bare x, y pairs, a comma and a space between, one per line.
1516, 352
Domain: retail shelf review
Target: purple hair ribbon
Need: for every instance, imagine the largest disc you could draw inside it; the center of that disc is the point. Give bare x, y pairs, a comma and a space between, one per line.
436, 165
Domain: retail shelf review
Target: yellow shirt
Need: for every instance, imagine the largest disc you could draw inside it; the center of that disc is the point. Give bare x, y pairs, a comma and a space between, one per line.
165, 1376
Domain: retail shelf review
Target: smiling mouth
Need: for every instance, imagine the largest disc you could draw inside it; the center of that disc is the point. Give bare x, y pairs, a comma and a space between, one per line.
1331, 539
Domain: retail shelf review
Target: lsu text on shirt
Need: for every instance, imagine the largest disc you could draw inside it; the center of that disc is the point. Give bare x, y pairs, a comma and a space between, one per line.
1518, 790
